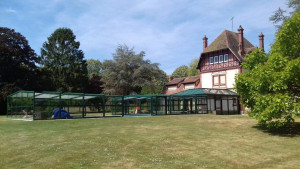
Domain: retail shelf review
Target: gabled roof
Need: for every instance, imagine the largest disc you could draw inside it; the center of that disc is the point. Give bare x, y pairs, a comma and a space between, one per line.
175, 81
229, 40
191, 79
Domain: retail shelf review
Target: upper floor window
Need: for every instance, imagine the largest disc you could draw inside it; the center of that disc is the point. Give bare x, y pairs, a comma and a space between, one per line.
216, 59
220, 58
226, 58
211, 60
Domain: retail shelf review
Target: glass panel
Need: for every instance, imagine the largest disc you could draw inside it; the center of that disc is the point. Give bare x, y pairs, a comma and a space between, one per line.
221, 58
216, 59
225, 57
222, 80
211, 60
216, 80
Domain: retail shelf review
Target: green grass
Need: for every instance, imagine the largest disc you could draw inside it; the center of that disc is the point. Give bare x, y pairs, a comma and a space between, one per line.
186, 141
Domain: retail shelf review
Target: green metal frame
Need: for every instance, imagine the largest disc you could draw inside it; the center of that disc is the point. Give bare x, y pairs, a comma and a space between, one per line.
156, 104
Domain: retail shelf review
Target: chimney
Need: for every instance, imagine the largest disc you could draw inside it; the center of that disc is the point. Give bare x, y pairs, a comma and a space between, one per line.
241, 41
170, 78
261, 41
204, 42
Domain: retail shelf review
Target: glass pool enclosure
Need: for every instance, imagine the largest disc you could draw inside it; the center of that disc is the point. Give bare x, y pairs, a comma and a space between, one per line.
55, 105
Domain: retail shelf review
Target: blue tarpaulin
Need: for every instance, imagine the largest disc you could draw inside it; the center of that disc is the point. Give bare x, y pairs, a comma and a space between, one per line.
64, 114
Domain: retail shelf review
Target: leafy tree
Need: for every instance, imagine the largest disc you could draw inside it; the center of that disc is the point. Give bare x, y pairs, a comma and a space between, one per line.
157, 85
94, 67
271, 87
95, 84
193, 71
128, 72
18, 64
65, 62
280, 16
181, 71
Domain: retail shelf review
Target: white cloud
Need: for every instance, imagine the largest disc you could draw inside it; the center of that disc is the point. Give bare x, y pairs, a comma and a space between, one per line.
10, 10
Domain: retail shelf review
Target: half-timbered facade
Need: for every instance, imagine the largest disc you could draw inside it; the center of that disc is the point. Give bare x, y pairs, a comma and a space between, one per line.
219, 63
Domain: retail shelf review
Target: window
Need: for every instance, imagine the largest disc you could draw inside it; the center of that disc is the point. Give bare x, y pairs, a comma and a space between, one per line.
211, 60
222, 80
172, 88
216, 80
216, 59
226, 58
220, 58
219, 80
189, 86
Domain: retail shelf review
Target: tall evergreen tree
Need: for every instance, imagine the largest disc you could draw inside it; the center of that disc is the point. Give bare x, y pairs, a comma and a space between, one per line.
64, 60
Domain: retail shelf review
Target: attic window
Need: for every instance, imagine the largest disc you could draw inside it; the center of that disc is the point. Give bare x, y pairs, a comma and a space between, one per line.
211, 60
221, 58
226, 58
216, 59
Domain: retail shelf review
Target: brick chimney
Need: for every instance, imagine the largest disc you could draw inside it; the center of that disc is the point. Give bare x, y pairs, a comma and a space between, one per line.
170, 78
241, 41
261, 41
204, 42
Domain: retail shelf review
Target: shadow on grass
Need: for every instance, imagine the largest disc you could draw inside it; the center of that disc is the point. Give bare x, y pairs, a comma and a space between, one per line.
291, 131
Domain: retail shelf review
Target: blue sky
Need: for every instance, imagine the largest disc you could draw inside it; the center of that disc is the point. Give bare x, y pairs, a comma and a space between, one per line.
169, 31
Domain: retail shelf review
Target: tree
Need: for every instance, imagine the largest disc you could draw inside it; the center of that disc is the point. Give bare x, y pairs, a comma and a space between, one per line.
157, 85
280, 16
65, 62
94, 67
271, 87
181, 71
18, 64
192, 70
95, 84
128, 72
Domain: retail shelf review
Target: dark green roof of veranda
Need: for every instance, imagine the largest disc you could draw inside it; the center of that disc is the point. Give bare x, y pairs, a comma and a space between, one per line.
195, 92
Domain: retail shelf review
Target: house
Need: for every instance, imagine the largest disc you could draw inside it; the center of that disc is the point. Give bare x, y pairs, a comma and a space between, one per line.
219, 63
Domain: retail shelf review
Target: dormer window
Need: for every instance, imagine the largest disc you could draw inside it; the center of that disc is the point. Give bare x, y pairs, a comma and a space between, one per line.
211, 60
216, 59
226, 58
220, 58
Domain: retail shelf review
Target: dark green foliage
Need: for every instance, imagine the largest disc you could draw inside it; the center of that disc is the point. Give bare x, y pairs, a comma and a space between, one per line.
64, 61
157, 85
181, 71
95, 84
271, 87
128, 72
17, 60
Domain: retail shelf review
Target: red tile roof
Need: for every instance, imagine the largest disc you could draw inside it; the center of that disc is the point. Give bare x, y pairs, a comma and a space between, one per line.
175, 81
191, 79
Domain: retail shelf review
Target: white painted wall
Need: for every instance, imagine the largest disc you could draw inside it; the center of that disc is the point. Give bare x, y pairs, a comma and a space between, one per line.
206, 80
172, 88
230, 75
189, 86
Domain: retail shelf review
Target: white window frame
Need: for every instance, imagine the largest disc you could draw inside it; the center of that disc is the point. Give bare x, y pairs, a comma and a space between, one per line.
221, 56
211, 59
226, 59
216, 58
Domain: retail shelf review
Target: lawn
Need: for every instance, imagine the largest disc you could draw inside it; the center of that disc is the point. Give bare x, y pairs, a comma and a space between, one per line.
185, 141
